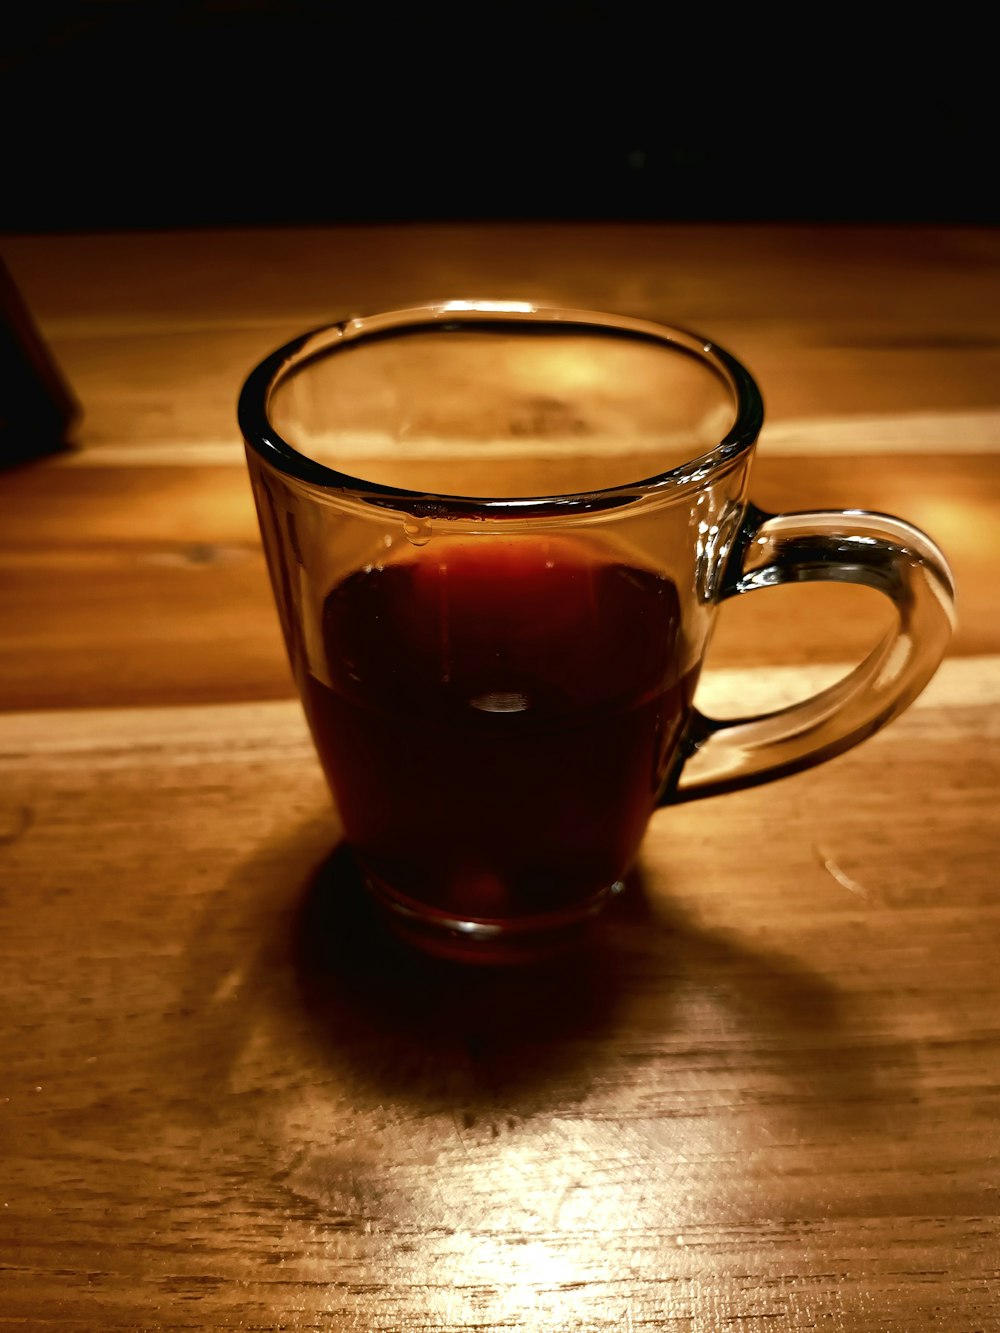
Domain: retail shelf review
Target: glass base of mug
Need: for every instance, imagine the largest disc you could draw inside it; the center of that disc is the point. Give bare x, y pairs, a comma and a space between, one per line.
490, 941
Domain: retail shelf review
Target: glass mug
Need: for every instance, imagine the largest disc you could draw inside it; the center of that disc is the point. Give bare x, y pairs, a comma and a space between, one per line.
498, 536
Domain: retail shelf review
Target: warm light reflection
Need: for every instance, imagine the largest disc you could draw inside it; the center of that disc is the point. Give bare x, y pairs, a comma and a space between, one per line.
957, 523
491, 307
896, 663
503, 1216
531, 1275
565, 1216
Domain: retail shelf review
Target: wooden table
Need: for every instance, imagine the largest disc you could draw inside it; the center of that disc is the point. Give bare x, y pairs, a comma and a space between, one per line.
770, 1101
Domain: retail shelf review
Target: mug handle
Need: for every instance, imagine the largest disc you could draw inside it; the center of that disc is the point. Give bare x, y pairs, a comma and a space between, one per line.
839, 546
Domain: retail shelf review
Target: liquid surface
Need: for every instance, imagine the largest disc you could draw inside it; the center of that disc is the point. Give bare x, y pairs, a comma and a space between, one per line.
499, 719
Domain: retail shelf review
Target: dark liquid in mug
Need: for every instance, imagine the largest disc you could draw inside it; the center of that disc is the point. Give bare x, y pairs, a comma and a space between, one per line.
499, 719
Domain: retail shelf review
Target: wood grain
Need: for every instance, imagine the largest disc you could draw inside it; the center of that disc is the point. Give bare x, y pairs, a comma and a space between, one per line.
156, 332
139, 579
144, 585
766, 1097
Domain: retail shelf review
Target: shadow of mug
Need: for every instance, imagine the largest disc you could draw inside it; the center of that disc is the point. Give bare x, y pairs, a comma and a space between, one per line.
645, 987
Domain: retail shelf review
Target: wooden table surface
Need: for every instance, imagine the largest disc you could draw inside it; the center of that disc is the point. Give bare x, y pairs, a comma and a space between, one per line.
769, 1100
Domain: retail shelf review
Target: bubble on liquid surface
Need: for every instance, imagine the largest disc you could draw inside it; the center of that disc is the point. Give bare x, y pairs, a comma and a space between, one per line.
417, 531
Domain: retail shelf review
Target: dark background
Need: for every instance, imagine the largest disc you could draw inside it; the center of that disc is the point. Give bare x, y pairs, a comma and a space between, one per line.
119, 113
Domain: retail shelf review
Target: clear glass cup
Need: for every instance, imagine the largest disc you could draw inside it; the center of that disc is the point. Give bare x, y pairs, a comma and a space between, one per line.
498, 536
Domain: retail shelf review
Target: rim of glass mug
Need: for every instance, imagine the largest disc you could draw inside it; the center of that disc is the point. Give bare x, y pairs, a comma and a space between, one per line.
494, 316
